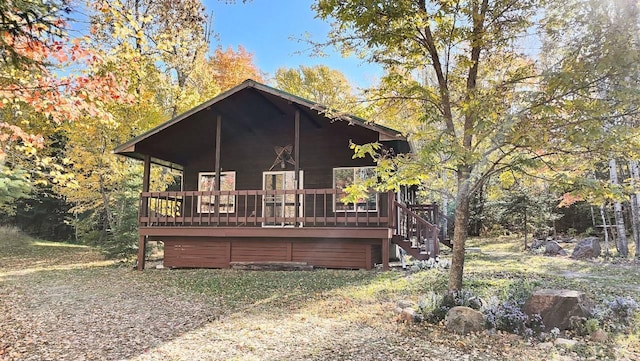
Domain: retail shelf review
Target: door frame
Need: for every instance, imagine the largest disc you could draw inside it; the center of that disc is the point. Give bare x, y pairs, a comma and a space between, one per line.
300, 197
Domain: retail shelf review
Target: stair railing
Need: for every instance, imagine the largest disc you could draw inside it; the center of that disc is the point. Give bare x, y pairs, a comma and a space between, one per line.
415, 228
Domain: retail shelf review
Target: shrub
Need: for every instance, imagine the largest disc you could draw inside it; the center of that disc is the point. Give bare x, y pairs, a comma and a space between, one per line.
584, 326
431, 263
622, 310
434, 308
617, 315
520, 290
509, 317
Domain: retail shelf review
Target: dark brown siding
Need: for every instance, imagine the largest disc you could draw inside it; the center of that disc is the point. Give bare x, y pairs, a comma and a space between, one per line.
332, 254
256, 250
196, 252
322, 148
248, 149
217, 252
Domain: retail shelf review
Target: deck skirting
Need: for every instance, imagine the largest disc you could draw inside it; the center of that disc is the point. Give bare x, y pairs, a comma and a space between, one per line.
220, 252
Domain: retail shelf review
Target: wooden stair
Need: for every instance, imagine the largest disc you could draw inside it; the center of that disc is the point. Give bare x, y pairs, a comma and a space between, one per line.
416, 252
406, 246
447, 242
425, 235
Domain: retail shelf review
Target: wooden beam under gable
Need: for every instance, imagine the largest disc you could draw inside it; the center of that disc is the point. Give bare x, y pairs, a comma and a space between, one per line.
272, 104
307, 115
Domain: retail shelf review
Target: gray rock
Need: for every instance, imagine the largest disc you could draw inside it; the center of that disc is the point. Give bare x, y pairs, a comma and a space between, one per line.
587, 248
545, 345
565, 342
537, 243
463, 320
552, 248
410, 315
558, 307
405, 304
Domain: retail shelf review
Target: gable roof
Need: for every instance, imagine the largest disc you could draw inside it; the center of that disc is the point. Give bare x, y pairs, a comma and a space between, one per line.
129, 148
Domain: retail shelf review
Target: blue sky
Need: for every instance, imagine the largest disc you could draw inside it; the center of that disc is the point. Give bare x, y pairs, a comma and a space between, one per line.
269, 29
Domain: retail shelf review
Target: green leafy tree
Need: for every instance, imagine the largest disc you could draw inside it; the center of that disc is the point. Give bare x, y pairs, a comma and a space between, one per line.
485, 106
320, 84
23, 24
465, 99
162, 47
596, 59
39, 92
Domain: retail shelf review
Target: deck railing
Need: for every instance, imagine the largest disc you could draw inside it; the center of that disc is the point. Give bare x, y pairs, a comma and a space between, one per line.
416, 229
432, 214
261, 208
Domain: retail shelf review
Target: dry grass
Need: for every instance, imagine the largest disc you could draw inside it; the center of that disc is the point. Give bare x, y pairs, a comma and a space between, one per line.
63, 302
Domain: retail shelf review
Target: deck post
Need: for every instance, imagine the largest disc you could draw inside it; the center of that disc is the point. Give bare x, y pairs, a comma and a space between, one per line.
218, 176
436, 213
146, 175
144, 210
142, 249
296, 160
385, 254
391, 210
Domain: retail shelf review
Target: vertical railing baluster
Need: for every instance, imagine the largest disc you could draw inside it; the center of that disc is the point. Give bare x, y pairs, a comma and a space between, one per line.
315, 206
228, 209
192, 205
209, 208
255, 209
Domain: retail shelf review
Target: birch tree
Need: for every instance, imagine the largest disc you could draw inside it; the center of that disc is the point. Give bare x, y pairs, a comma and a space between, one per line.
621, 231
634, 204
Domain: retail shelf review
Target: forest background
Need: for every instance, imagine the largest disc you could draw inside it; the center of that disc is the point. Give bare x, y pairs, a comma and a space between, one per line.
507, 140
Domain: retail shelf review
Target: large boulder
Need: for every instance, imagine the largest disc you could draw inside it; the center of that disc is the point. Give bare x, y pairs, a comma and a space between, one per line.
553, 248
558, 307
587, 248
462, 320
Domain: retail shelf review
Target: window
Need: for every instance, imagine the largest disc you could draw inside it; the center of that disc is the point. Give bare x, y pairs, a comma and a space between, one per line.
206, 182
343, 177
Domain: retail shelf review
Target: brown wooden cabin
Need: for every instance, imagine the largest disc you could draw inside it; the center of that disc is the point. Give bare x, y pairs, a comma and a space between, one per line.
282, 163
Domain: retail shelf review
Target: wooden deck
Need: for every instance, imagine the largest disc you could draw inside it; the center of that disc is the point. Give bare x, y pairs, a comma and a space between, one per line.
241, 226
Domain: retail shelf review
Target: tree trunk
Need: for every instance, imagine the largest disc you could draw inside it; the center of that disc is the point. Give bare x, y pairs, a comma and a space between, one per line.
460, 229
524, 215
476, 205
445, 207
634, 171
606, 232
105, 203
621, 242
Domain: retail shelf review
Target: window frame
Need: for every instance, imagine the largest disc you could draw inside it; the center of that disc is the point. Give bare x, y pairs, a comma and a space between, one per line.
225, 207
353, 207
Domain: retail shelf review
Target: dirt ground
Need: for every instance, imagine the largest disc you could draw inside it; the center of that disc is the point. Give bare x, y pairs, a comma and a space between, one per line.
76, 307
